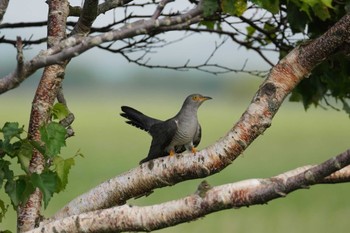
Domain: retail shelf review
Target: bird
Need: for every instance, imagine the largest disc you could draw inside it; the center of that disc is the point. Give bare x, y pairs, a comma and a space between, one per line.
175, 135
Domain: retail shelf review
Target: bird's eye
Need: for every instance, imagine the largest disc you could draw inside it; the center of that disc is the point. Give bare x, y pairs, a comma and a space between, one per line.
195, 98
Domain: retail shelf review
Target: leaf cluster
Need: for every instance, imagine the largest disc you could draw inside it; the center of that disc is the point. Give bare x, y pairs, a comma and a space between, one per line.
15, 147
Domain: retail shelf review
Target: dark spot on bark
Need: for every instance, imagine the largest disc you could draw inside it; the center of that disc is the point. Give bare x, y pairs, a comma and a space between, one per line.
242, 144
268, 89
60, 75
54, 230
273, 105
77, 223
200, 159
150, 165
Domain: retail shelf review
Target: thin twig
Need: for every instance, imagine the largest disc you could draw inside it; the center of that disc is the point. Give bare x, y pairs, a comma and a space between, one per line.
160, 8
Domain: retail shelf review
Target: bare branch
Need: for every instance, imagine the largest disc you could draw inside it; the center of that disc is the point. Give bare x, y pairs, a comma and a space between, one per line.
73, 46
87, 17
342, 175
25, 42
20, 58
160, 8
233, 36
23, 24
204, 201
111, 4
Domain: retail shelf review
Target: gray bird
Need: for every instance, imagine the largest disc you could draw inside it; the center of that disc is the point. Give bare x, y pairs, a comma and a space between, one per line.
175, 135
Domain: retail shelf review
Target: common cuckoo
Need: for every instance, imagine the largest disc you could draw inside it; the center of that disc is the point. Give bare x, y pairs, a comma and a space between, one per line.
175, 135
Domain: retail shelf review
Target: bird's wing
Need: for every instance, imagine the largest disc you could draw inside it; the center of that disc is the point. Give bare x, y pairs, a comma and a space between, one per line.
197, 137
162, 135
138, 119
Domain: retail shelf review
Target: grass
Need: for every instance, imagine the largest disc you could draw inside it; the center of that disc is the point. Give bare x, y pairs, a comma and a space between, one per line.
296, 138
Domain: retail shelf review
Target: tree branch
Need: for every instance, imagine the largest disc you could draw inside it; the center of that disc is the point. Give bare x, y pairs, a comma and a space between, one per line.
255, 120
160, 8
111, 4
75, 45
87, 17
204, 201
313, 54
342, 175
29, 212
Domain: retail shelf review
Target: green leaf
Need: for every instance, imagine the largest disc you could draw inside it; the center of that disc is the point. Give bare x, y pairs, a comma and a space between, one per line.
208, 24
47, 183
346, 106
37, 146
10, 149
327, 3
234, 7
270, 5
11, 130
209, 7
250, 31
321, 11
24, 155
5, 172
3, 209
53, 135
59, 111
296, 18
19, 190
62, 167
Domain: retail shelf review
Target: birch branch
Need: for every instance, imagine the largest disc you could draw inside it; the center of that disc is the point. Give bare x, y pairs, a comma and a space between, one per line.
50, 82
204, 201
255, 120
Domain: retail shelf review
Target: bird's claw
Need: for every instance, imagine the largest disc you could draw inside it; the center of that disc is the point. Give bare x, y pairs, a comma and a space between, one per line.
194, 151
171, 153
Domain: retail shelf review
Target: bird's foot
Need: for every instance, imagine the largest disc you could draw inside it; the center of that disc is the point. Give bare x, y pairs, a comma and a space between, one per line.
194, 150
171, 153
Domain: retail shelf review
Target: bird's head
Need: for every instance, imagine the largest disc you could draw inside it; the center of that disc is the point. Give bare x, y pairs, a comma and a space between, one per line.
199, 98
196, 99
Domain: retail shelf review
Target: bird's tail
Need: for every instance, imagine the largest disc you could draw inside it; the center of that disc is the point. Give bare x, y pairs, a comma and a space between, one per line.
144, 160
137, 118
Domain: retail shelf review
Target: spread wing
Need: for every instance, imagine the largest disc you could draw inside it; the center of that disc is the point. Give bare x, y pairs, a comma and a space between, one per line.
162, 135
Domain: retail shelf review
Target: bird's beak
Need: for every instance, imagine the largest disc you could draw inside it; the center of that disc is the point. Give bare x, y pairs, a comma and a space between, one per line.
204, 98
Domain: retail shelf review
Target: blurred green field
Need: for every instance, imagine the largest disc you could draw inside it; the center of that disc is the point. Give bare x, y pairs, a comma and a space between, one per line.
112, 147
